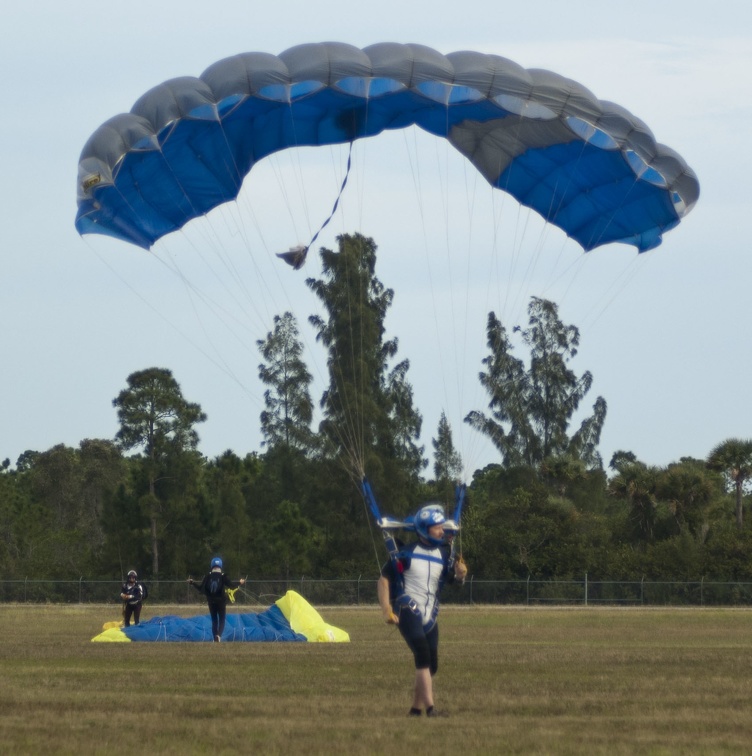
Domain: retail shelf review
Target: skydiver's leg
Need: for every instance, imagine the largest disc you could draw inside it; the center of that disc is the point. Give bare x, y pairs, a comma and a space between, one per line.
222, 613
423, 692
213, 611
411, 627
432, 638
127, 613
137, 614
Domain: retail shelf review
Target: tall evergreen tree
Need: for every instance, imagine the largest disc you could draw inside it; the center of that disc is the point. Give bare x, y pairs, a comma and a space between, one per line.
532, 408
286, 419
154, 416
447, 465
368, 406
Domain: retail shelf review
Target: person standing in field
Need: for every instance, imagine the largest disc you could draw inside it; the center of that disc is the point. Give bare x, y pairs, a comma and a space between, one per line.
213, 587
408, 592
132, 594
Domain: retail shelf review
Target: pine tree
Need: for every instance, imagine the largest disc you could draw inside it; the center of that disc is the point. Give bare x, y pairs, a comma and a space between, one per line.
368, 406
531, 408
447, 466
286, 419
155, 416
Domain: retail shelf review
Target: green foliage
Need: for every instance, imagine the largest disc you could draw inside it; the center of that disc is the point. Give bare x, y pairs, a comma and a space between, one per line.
447, 462
531, 408
288, 412
548, 510
370, 419
733, 458
154, 416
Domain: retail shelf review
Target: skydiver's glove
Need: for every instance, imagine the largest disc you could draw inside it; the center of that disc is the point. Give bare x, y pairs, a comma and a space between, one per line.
391, 619
460, 568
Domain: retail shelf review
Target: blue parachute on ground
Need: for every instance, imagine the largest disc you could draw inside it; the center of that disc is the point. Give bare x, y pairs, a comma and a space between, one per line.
585, 165
291, 618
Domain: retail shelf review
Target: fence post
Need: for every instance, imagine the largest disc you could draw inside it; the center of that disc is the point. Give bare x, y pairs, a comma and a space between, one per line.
702, 581
586, 587
358, 591
80, 601
471, 588
26, 580
527, 589
642, 590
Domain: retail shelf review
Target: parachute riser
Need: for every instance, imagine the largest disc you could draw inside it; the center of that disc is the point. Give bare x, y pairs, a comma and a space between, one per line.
387, 525
459, 500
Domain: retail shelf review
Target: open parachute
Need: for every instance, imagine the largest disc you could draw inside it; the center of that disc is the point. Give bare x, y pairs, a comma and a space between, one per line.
585, 165
291, 618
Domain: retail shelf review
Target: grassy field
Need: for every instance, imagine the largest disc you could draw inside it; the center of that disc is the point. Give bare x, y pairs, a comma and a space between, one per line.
513, 680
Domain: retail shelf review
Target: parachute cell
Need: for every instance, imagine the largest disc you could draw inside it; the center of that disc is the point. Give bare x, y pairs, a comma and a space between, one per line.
585, 165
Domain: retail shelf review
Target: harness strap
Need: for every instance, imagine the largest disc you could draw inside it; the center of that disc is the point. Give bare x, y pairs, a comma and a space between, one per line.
424, 557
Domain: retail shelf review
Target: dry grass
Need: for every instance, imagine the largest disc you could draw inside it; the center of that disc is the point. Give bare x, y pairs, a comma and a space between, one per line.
515, 680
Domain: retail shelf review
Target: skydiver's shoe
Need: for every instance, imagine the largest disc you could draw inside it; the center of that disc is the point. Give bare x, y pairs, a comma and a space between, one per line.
431, 712
217, 639
414, 713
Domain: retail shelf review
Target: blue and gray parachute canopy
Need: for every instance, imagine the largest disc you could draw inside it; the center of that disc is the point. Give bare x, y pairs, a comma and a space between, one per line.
587, 166
291, 618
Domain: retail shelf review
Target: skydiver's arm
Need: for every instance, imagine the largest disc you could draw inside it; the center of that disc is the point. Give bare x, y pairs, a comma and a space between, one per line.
382, 590
199, 586
232, 583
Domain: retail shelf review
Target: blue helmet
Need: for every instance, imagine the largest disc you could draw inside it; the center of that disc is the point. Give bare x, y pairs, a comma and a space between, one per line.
425, 518
216, 562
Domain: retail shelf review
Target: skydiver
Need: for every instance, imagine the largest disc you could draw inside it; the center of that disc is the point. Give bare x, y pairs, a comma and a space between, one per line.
408, 592
132, 593
213, 587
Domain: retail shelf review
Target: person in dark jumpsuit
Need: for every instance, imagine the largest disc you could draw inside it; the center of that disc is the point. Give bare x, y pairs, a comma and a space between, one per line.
213, 587
132, 594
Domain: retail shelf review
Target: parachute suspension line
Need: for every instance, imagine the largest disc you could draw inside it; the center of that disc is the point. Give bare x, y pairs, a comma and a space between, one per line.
613, 291
534, 258
172, 325
518, 238
234, 283
223, 313
239, 225
192, 292
469, 395
454, 395
414, 163
445, 191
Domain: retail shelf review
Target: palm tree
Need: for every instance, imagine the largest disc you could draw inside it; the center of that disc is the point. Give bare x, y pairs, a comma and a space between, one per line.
733, 458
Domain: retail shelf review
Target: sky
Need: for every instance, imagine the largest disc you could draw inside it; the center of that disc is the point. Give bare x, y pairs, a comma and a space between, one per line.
665, 334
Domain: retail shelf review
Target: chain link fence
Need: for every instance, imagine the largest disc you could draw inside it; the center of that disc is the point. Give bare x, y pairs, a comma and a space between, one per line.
362, 591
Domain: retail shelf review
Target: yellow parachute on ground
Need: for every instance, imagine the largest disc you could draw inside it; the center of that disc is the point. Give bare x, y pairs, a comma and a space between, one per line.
304, 619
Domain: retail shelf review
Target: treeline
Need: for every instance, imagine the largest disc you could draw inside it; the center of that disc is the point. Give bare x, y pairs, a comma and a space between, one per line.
148, 500
68, 512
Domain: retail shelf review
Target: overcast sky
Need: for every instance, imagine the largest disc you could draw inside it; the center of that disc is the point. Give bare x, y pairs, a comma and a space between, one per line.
665, 334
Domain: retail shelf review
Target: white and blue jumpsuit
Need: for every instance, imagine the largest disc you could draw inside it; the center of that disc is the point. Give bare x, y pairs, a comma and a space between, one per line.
415, 582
